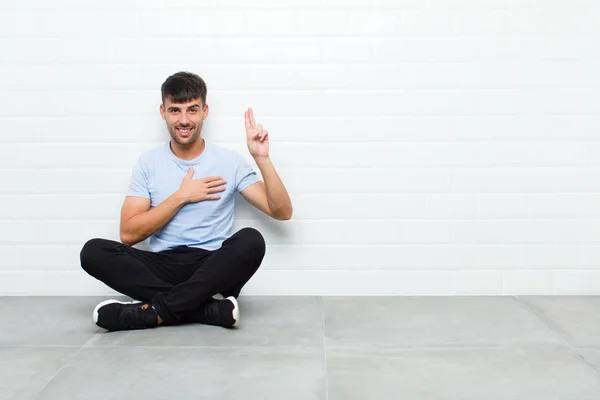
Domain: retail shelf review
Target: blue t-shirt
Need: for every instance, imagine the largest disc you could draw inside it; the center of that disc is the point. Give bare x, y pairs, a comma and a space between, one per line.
158, 173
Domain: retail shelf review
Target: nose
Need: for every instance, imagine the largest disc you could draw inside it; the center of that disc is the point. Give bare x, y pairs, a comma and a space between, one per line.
184, 120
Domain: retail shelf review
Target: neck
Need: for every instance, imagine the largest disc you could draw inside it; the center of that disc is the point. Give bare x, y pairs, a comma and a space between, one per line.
188, 152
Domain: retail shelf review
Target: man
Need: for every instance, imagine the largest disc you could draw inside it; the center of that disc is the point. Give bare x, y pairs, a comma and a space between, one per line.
181, 196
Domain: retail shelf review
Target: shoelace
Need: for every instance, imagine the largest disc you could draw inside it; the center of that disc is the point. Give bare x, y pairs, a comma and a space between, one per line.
134, 317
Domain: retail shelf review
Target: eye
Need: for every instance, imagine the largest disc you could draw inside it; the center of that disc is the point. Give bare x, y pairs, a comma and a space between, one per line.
194, 110
174, 111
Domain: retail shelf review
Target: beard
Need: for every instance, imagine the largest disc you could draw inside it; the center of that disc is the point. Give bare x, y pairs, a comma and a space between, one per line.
187, 139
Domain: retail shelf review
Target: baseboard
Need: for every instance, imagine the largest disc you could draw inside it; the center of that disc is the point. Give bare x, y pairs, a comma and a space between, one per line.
338, 283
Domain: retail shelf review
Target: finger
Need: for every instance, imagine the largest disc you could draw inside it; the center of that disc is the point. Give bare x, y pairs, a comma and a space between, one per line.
211, 178
252, 120
217, 183
247, 121
253, 134
213, 197
190, 173
265, 135
216, 190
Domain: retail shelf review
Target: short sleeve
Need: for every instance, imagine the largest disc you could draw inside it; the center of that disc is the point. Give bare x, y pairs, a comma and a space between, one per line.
245, 175
138, 185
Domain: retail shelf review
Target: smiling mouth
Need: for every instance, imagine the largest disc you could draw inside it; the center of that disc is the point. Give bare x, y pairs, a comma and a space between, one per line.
184, 131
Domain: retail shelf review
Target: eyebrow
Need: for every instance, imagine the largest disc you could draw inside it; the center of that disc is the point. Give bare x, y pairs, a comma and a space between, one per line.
172, 108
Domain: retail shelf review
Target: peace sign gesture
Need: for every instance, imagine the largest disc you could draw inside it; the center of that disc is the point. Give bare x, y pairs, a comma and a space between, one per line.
256, 137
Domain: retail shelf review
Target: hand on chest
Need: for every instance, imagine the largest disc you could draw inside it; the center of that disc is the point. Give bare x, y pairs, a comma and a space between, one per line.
166, 182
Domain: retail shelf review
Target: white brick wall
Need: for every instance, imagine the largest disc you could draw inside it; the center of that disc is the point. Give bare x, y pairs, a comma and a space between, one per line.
429, 146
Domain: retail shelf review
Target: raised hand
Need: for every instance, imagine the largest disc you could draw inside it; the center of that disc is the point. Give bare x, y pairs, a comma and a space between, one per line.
195, 190
257, 137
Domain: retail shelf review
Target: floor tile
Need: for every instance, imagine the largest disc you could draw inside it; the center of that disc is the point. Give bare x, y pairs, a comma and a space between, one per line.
25, 370
426, 321
591, 355
56, 321
543, 372
577, 316
148, 373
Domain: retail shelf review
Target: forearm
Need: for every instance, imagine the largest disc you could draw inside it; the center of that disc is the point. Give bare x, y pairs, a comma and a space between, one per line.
141, 226
280, 203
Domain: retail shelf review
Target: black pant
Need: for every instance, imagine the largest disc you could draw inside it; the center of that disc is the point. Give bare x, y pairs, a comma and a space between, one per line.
178, 282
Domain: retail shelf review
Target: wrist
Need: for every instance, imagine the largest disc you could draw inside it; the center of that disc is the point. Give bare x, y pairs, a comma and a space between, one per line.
262, 160
179, 199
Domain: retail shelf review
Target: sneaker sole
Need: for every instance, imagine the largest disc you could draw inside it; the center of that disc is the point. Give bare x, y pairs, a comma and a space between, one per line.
236, 310
95, 313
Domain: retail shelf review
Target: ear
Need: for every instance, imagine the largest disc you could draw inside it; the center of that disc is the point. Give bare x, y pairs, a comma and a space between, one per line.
163, 112
205, 112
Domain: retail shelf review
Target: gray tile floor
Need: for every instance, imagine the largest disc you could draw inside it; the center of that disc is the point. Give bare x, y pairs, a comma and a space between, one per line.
337, 348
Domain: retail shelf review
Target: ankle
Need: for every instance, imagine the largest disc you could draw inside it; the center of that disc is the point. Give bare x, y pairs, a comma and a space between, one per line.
159, 320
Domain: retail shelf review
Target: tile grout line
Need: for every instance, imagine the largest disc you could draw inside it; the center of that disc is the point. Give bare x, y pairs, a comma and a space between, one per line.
407, 348
191, 347
64, 365
325, 347
565, 337
37, 346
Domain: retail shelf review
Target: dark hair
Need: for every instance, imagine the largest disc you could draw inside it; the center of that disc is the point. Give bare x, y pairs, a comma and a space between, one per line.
183, 87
